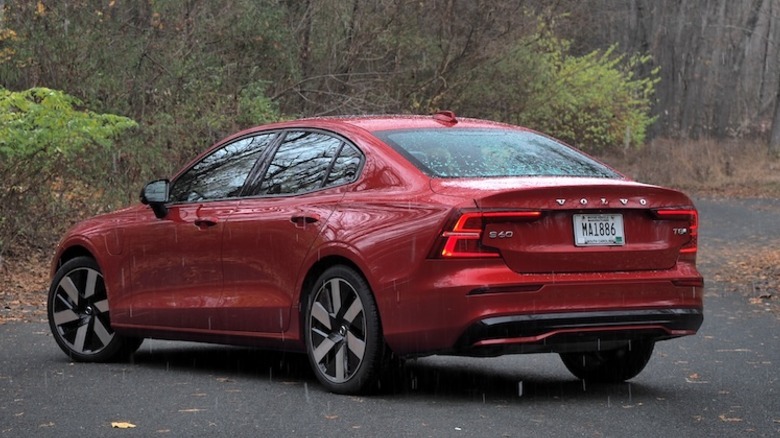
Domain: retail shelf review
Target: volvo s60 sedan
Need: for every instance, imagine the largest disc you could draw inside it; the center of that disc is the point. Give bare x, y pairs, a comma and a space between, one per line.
360, 239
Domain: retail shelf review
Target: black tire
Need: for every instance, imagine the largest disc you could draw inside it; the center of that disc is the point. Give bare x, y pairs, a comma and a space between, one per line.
342, 332
611, 366
79, 316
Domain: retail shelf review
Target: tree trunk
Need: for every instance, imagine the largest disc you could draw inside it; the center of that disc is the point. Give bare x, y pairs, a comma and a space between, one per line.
774, 138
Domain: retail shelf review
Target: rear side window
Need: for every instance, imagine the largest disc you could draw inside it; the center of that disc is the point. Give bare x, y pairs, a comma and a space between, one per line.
478, 153
345, 167
306, 161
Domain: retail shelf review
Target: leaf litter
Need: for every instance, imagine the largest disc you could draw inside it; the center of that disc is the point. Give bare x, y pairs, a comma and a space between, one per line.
751, 271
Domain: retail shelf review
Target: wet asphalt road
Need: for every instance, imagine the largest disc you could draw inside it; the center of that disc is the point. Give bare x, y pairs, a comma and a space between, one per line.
722, 382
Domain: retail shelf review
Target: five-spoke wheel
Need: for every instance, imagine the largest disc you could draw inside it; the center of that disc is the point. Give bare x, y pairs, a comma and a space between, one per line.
343, 337
79, 315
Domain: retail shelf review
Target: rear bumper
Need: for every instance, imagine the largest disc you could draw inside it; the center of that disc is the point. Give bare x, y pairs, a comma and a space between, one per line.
576, 331
489, 310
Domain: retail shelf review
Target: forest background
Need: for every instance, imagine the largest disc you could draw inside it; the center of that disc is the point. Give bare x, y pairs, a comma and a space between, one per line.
99, 96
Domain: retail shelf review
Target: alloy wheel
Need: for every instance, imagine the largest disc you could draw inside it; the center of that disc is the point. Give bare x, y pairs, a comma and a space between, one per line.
337, 330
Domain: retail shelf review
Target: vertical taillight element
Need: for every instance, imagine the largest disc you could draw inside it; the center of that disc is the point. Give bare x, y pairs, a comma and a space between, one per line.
689, 219
463, 239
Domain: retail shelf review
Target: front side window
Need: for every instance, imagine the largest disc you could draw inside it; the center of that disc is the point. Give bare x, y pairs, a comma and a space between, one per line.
222, 173
479, 153
306, 161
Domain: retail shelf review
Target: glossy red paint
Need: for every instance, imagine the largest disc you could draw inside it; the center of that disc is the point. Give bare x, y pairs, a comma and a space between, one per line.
240, 270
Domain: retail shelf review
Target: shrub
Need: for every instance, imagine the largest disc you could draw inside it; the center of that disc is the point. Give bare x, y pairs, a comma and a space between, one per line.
594, 102
44, 140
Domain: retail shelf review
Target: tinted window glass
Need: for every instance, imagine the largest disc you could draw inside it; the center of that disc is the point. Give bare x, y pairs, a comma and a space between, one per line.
300, 164
222, 173
470, 153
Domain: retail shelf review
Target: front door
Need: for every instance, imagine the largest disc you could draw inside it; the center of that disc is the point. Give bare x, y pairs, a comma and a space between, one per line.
176, 266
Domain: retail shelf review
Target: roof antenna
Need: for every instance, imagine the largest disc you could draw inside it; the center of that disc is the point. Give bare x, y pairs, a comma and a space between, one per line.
445, 117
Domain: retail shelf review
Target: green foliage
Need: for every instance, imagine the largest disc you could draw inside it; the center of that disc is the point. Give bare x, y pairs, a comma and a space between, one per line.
254, 107
47, 147
45, 124
594, 101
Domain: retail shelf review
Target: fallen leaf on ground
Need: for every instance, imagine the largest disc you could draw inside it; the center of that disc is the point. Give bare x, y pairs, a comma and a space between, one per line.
122, 425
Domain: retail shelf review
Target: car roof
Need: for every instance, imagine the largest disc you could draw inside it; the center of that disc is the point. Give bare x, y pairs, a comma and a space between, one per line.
384, 122
376, 123
442, 119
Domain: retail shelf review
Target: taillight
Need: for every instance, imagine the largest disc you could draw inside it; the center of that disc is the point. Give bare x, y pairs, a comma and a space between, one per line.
463, 239
691, 217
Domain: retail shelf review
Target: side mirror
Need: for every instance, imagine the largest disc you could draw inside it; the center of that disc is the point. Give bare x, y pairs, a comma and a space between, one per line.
155, 194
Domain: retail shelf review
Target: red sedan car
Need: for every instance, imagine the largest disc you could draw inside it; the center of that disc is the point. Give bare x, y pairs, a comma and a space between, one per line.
360, 238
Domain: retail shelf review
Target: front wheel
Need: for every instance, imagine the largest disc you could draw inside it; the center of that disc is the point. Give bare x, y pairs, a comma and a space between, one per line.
343, 334
79, 315
611, 366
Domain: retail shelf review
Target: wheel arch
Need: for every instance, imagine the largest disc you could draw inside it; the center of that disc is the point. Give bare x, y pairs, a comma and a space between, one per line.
314, 273
68, 254
84, 304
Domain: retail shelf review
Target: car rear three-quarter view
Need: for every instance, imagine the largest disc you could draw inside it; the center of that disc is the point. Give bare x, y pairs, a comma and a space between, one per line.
360, 238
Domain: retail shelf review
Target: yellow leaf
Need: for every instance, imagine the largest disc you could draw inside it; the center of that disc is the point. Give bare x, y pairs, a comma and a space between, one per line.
122, 425
40, 9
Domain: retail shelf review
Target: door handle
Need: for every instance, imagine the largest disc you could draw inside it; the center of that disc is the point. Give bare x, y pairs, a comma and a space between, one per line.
205, 222
302, 221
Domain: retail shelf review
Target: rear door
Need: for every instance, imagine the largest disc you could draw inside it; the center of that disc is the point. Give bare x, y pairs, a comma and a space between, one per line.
267, 238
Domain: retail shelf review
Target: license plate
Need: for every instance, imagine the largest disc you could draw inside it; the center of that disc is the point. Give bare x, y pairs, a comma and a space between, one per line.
598, 229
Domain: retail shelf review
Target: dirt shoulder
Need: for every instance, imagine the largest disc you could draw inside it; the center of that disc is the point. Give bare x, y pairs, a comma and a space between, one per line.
739, 248
24, 287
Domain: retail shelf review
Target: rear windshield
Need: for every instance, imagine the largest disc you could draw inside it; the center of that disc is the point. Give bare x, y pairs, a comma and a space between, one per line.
475, 153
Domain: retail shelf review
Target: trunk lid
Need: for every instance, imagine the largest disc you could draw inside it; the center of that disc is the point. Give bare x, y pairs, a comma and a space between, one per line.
585, 225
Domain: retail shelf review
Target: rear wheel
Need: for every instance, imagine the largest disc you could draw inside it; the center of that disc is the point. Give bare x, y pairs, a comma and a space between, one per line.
610, 366
79, 315
343, 335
